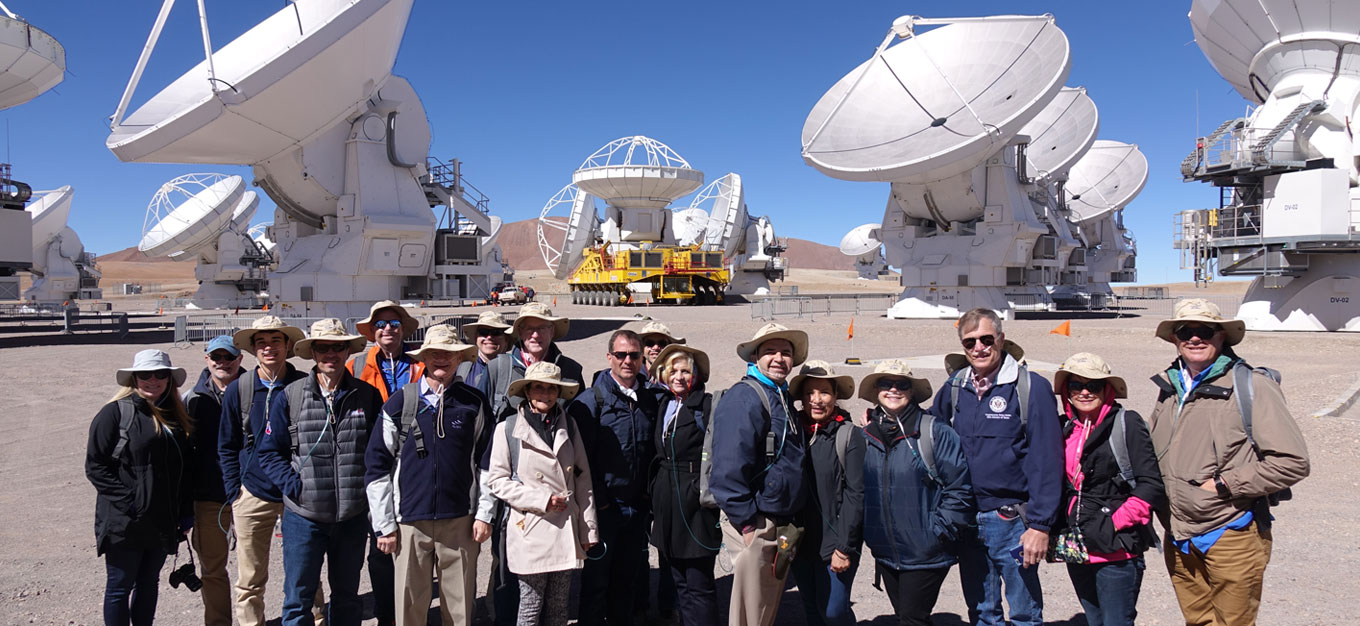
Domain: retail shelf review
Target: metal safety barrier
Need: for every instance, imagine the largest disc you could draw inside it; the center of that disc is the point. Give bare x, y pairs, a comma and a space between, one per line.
200, 329
814, 306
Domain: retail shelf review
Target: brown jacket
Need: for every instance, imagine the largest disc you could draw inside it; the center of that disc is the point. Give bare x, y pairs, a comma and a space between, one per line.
1205, 435
538, 542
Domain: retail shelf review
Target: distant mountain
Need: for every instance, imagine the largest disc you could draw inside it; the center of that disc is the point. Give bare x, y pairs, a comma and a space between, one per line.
131, 255
519, 244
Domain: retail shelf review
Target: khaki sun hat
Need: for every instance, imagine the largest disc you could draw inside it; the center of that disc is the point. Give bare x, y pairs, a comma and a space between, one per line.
799, 339
444, 337
540, 311
1201, 310
843, 384
488, 319
329, 329
245, 339
409, 324
149, 361
894, 368
1090, 367
700, 359
957, 361
659, 329
543, 372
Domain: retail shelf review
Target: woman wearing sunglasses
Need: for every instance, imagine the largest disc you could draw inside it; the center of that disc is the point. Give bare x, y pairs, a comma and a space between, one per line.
1111, 485
139, 460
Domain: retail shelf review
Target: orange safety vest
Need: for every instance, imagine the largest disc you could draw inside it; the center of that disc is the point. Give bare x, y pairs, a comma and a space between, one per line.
372, 373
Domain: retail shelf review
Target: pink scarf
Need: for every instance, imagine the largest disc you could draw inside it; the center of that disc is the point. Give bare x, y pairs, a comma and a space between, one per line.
1134, 511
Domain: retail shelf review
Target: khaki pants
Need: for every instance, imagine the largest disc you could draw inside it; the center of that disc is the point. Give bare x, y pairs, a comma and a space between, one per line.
211, 521
1223, 586
755, 590
254, 521
444, 546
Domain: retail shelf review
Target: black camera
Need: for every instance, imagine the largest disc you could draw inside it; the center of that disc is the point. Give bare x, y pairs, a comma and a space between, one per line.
186, 576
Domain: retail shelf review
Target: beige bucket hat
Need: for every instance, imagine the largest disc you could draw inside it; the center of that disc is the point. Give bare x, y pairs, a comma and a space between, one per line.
799, 339
699, 356
1201, 310
444, 337
894, 368
1090, 367
487, 319
540, 311
409, 324
543, 372
843, 384
149, 361
245, 339
657, 328
957, 361
329, 329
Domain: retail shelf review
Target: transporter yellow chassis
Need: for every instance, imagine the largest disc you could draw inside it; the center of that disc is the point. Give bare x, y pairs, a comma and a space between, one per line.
676, 275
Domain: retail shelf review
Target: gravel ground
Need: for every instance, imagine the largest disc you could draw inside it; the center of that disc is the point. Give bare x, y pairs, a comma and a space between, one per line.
52, 576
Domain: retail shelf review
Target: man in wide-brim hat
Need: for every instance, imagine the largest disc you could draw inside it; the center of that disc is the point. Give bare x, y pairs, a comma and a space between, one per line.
533, 335
756, 435
488, 334
655, 337
433, 432
386, 365
1201, 400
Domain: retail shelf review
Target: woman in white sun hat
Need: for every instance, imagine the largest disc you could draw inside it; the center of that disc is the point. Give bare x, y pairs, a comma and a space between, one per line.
140, 461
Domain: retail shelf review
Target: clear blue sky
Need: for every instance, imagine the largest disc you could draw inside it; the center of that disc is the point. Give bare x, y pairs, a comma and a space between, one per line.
522, 92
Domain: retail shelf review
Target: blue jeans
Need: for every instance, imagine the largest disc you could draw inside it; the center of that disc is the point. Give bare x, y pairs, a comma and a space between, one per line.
1108, 591
986, 564
826, 594
305, 545
132, 586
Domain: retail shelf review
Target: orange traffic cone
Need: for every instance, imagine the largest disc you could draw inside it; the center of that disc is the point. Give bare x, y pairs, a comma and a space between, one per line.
554, 300
1064, 329
266, 307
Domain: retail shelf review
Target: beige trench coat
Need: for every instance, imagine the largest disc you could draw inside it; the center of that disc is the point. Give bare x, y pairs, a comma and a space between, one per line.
538, 542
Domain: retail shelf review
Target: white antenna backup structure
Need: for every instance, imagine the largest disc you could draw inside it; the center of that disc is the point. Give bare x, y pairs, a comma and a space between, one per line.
206, 218
971, 125
863, 244
61, 268
308, 99
1291, 163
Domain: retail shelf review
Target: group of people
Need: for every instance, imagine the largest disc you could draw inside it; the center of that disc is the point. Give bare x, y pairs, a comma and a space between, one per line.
420, 457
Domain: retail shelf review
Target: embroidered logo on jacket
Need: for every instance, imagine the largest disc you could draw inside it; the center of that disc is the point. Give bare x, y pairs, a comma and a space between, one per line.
997, 404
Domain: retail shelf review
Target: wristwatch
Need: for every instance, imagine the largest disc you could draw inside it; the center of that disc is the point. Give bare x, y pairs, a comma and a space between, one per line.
1221, 486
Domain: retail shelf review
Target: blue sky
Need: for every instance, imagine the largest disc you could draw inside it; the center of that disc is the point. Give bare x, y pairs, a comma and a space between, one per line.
522, 92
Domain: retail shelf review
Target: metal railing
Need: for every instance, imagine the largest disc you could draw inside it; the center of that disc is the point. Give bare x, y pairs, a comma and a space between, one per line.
193, 330
814, 306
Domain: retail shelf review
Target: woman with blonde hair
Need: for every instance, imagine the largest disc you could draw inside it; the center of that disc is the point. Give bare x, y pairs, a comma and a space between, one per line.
139, 459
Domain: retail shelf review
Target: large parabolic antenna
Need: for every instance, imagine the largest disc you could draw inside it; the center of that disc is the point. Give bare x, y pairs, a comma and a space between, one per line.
60, 265
562, 240
863, 244
189, 212
32, 60
1061, 133
1106, 179
50, 212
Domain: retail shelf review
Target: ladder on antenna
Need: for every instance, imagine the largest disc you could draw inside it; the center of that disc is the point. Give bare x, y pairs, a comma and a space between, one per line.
1193, 162
1260, 151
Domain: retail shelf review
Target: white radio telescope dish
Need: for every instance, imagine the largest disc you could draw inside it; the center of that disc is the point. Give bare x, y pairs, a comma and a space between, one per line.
32, 61
1062, 132
563, 240
49, 213
1107, 179
260, 234
861, 240
727, 218
689, 225
637, 172
244, 211
939, 103
190, 212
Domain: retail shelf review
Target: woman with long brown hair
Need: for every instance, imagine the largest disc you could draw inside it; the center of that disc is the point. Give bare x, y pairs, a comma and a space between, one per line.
139, 460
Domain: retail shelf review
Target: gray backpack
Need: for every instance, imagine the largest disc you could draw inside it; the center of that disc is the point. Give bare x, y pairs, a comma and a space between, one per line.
955, 382
706, 498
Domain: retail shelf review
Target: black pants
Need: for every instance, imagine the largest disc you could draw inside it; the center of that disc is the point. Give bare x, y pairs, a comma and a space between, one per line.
382, 576
132, 586
696, 598
913, 592
504, 583
610, 584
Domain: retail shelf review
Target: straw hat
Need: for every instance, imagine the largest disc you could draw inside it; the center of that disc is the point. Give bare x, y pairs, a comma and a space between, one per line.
799, 339
657, 328
1201, 310
409, 324
540, 311
329, 329
245, 339
1090, 367
149, 361
700, 359
543, 372
444, 337
488, 319
843, 384
957, 361
893, 368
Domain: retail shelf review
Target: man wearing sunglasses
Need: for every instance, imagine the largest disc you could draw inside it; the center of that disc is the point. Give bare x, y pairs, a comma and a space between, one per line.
1015, 457
386, 365
488, 334
1219, 476
655, 337
616, 419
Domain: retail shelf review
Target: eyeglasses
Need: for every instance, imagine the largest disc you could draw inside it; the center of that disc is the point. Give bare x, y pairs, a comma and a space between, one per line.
987, 340
326, 348
1205, 333
490, 332
158, 375
222, 357
899, 384
1096, 387
655, 343
393, 324
624, 356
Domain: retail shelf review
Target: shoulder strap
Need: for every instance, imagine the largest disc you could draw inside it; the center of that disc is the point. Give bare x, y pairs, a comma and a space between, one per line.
1022, 394
927, 443
512, 444
843, 441
771, 440
359, 363
599, 402
295, 392
1243, 390
952, 389
126, 413
707, 412
245, 388
410, 405
1119, 445
499, 369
